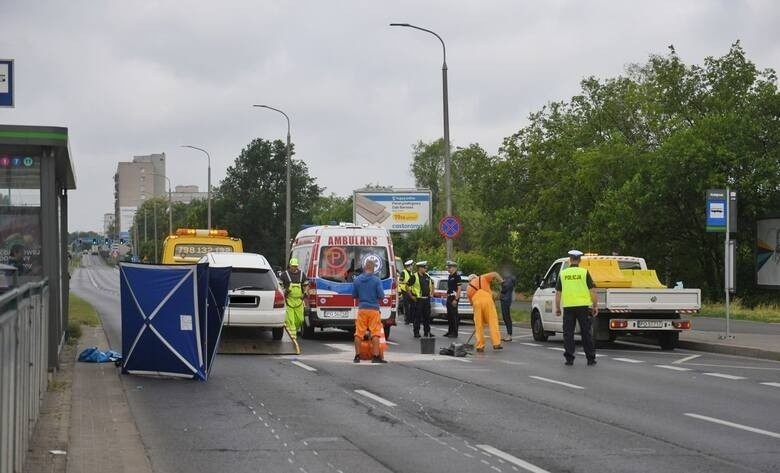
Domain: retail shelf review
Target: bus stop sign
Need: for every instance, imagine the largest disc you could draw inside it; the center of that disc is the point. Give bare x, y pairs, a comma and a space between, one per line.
450, 227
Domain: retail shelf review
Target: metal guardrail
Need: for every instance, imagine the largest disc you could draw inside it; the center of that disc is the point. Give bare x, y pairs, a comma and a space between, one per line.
24, 331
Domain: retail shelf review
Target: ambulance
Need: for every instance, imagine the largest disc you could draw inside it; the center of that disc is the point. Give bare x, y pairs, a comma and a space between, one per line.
331, 256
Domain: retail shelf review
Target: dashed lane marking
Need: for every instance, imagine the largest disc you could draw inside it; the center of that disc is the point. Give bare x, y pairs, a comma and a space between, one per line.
304, 366
628, 360
573, 386
774, 385
391, 343
555, 348
724, 376
734, 425
673, 368
376, 398
687, 358
513, 459
530, 344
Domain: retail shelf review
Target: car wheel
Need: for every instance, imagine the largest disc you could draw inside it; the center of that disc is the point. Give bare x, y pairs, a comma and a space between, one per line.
537, 328
277, 332
668, 340
387, 332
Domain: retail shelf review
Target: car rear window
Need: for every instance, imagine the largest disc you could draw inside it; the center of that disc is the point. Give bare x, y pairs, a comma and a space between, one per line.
252, 279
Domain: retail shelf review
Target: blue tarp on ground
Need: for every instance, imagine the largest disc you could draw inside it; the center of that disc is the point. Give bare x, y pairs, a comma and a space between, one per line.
171, 318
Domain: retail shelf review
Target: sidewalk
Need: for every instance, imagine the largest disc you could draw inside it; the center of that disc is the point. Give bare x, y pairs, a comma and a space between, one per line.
766, 346
86, 415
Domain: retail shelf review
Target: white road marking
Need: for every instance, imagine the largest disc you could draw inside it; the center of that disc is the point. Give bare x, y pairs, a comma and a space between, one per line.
513, 459
724, 376
376, 398
674, 368
732, 424
583, 354
391, 343
530, 344
304, 366
555, 348
628, 360
775, 385
557, 382
91, 279
687, 358
341, 346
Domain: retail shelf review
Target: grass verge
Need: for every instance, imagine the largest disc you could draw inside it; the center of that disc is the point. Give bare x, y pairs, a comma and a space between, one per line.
80, 312
760, 313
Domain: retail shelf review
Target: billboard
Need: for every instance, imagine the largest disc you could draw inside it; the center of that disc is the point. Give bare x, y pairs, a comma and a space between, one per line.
768, 253
20, 240
395, 210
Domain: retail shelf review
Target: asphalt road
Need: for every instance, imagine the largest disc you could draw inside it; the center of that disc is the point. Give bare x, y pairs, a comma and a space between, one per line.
639, 410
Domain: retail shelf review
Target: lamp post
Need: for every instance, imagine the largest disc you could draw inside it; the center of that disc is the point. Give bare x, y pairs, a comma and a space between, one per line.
170, 207
447, 190
208, 156
287, 212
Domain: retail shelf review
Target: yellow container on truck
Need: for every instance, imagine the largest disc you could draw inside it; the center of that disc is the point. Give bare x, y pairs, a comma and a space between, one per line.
188, 245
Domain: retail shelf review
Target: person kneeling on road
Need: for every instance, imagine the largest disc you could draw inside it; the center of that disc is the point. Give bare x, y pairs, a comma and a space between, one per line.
367, 289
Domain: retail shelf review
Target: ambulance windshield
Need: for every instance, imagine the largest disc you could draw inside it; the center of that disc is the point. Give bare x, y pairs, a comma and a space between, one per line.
343, 263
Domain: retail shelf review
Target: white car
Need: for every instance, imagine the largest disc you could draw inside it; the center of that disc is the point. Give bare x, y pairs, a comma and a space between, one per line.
255, 298
439, 299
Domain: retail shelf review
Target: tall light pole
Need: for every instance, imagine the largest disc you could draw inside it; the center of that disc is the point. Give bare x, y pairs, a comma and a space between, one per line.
287, 212
154, 206
208, 156
447, 179
170, 207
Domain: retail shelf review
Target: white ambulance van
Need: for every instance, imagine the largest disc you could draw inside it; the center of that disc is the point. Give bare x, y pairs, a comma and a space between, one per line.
331, 256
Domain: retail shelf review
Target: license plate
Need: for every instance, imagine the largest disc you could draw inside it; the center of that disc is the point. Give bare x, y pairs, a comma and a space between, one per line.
335, 314
650, 324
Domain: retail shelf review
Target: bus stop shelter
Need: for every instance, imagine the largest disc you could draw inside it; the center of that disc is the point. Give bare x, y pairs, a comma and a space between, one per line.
36, 174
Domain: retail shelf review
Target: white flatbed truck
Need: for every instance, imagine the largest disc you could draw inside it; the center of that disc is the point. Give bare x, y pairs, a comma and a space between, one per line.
631, 301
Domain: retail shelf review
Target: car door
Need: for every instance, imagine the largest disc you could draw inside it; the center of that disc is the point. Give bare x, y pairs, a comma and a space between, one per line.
547, 299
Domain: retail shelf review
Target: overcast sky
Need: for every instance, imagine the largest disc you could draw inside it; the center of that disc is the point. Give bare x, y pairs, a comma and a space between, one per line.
138, 77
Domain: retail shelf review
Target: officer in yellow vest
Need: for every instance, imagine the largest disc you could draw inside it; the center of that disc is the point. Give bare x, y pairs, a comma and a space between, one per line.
575, 293
420, 291
403, 291
294, 282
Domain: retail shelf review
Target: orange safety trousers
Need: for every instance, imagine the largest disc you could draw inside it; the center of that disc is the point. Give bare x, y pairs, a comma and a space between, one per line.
485, 310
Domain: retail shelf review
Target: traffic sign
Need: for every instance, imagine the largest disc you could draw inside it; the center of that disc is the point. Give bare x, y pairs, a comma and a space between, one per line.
6, 82
450, 227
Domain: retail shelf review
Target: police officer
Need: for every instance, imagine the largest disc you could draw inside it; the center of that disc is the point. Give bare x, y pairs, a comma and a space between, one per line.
294, 282
575, 293
421, 291
403, 291
453, 297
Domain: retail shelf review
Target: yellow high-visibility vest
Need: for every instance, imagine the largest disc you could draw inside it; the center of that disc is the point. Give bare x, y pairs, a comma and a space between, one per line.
574, 287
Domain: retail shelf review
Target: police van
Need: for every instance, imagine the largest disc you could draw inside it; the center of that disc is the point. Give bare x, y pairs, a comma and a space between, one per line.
331, 257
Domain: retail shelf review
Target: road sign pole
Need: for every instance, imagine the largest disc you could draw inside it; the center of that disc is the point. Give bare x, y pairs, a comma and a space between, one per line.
727, 265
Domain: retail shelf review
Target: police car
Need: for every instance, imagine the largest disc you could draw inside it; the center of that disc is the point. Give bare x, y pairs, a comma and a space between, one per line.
439, 299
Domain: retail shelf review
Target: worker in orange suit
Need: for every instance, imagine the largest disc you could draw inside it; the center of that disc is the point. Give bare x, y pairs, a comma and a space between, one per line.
481, 297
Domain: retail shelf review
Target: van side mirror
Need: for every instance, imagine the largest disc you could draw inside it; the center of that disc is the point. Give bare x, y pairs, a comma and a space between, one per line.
537, 280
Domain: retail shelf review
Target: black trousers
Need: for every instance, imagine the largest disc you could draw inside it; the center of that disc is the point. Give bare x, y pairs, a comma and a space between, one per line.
406, 308
453, 318
581, 315
422, 314
505, 305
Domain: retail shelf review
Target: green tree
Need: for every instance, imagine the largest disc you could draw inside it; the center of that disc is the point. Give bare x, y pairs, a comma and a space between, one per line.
250, 201
332, 209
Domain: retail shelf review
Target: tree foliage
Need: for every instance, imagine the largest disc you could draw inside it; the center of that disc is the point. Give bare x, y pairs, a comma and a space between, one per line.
624, 166
250, 201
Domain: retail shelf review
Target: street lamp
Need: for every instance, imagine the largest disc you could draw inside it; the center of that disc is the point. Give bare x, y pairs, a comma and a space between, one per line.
170, 207
447, 191
209, 181
287, 217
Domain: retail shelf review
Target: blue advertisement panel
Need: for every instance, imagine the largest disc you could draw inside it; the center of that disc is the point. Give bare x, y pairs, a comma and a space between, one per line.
6, 83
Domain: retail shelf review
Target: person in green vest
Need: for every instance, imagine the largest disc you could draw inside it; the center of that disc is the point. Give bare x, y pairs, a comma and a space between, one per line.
575, 294
420, 288
404, 302
294, 282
